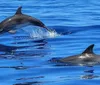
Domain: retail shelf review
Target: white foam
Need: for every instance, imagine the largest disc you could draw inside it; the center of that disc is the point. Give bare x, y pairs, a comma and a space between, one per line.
52, 34
39, 33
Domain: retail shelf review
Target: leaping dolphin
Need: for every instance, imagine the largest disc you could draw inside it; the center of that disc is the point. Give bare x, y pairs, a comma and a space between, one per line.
19, 19
88, 58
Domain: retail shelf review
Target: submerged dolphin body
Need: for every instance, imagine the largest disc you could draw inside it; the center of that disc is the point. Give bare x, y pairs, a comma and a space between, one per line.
87, 58
8, 49
19, 20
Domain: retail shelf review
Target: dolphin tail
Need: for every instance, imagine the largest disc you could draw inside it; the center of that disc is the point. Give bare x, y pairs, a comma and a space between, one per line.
47, 29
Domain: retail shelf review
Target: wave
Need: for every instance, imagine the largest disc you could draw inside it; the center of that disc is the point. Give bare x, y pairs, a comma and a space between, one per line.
71, 29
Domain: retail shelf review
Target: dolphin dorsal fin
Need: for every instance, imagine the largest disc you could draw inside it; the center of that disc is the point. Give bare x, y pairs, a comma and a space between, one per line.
19, 10
89, 49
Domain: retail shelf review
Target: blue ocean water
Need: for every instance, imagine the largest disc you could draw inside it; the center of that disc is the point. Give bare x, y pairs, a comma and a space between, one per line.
24, 56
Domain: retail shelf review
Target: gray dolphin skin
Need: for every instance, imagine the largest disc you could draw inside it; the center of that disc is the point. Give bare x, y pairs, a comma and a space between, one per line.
19, 20
86, 58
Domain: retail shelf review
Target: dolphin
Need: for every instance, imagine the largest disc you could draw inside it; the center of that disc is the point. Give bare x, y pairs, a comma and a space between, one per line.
18, 20
86, 58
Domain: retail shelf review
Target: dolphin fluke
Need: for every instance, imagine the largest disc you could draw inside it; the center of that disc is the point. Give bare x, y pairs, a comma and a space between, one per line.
89, 49
47, 29
19, 10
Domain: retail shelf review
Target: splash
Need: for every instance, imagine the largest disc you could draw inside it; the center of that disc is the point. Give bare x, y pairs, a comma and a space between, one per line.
52, 34
40, 33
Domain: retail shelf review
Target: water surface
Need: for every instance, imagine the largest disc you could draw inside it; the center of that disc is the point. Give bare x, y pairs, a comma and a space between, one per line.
25, 55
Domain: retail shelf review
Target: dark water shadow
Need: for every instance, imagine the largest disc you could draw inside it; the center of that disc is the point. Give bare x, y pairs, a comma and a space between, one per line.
21, 67
65, 30
30, 83
34, 81
30, 48
89, 73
